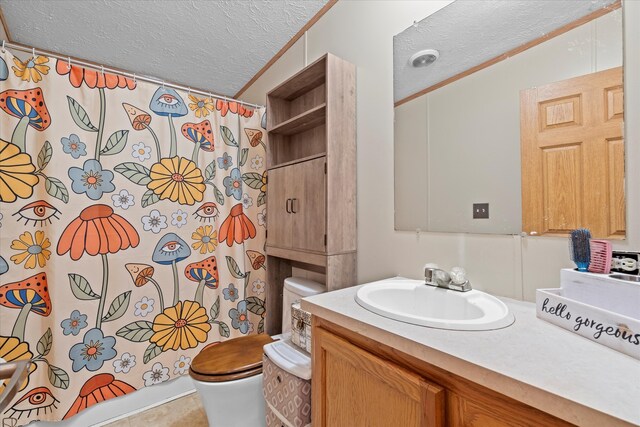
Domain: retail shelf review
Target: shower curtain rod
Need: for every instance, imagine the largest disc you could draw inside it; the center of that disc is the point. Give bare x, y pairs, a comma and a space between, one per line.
95, 66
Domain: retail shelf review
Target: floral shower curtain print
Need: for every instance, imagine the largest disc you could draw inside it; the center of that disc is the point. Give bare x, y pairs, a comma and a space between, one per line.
132, 232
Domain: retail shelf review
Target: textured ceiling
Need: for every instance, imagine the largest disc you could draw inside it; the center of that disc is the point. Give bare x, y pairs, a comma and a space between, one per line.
213, 45
470, 32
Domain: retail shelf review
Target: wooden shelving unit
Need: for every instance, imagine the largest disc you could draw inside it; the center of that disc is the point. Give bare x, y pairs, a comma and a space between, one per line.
311, 159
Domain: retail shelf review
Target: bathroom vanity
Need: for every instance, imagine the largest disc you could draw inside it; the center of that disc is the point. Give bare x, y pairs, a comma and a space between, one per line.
370, 370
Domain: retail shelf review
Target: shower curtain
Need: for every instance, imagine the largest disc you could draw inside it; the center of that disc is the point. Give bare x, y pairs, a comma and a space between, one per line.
132, 232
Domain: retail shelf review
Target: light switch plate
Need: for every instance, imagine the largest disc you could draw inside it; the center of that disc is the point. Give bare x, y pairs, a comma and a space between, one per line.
480, 210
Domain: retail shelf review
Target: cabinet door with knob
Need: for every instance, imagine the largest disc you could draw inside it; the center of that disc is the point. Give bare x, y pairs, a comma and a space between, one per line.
296, 206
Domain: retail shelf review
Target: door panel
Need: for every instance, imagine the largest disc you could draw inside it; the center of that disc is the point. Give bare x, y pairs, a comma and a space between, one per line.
308, 204
562, 183
279, 232
573, 156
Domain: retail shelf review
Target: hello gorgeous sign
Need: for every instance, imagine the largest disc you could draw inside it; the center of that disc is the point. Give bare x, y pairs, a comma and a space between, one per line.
610, 329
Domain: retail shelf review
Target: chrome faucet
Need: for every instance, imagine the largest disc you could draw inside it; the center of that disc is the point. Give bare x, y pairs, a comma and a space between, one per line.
441, 279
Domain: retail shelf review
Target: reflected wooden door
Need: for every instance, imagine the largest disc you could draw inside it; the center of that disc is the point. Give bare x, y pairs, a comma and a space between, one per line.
573, 156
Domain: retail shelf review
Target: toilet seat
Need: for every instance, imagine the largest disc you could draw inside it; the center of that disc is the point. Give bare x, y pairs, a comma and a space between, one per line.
230, 360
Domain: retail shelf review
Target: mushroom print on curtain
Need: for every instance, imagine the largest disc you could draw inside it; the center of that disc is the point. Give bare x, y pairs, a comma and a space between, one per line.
132, 232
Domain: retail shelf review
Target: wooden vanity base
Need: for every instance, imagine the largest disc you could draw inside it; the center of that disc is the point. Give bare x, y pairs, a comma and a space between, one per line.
360, 382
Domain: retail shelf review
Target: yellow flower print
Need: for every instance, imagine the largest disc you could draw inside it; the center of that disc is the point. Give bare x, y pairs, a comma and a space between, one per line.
206, 239
32, 69
17, 177
185, 325
201, 106
177, 179
32, 250
14, 350
263, 187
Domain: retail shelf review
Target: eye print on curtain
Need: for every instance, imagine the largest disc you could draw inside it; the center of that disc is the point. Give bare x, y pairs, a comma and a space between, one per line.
39, 212
132, 219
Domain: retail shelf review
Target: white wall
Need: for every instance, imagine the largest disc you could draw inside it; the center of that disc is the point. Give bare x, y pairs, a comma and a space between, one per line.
410, 133
361, 32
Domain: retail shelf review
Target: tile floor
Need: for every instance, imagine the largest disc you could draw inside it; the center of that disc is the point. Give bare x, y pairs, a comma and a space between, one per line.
185, 411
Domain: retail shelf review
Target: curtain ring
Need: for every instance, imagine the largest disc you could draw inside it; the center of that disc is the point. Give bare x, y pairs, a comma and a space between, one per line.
134, 78
3, 46
33, 52
69, 62
102, 70
163, 84
189, 91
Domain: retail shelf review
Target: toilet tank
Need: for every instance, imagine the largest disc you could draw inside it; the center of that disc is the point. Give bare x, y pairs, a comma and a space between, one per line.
296, 288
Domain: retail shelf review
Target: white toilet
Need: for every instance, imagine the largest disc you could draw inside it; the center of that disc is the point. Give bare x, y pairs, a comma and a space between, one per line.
228, 376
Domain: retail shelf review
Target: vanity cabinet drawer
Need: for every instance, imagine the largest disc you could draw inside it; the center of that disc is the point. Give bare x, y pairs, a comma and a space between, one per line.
286, 395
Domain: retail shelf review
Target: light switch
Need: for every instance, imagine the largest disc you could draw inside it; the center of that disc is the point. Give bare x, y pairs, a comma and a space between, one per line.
480, 210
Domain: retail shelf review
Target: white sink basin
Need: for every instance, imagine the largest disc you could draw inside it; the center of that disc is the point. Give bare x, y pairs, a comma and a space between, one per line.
414, 302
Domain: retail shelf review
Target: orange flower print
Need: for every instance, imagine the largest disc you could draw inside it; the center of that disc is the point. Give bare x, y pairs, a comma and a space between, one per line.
97, 230
98, 388
236, 227
235, 107
92, 78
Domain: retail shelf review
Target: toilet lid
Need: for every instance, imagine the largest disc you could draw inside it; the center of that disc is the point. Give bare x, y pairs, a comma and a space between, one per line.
230, 360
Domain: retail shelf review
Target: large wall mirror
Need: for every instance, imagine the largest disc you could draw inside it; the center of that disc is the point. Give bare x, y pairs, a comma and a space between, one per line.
511, 112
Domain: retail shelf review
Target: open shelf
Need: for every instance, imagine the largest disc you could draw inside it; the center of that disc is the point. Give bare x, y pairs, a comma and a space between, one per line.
302, 82
302, 122
297, 160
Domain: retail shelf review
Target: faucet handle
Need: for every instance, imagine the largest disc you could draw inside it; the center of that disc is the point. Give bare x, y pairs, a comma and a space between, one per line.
458, 275
433, 274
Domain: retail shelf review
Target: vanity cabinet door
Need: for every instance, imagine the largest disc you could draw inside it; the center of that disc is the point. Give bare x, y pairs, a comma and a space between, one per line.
352, 388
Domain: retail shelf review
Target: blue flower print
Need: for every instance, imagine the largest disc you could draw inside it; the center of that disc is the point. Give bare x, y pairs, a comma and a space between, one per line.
240, 318
91, 179
93, 351
74, 324
233, 184
230, 293
225, 162
74, 146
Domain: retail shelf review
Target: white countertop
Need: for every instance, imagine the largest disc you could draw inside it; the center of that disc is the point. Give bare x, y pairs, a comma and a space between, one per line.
532, 361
